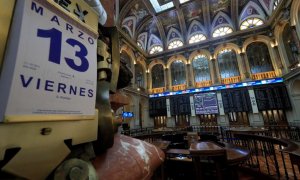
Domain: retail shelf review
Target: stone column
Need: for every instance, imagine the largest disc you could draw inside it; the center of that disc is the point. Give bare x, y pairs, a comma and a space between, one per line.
277, 59
168, 83
149, 82
189, 77
296, 38
216, 79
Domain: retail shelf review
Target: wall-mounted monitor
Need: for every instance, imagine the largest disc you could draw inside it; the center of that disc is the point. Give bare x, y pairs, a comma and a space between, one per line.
206, 103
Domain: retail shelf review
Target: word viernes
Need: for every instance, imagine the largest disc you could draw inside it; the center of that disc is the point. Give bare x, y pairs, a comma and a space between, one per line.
51, 86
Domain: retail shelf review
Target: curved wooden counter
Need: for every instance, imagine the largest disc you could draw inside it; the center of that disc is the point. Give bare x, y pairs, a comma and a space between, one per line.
235, 155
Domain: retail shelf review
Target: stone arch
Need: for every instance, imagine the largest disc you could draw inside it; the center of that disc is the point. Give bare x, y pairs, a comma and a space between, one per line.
295, 8
279, 38
268, 41
130, 53
197, 52
155, 62
226, 46
174, 58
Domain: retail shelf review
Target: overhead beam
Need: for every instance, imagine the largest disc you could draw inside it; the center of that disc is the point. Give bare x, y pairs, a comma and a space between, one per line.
206, 17
181, 20
235, 13
125, 9
157, 21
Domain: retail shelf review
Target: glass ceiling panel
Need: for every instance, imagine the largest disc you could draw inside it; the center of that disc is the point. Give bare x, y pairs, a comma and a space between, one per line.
161, 5
183, 1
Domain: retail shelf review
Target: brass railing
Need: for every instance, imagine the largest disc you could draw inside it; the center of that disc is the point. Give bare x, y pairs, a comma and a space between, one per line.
264, 75
230, 80
203, 84
179, 87
158, 90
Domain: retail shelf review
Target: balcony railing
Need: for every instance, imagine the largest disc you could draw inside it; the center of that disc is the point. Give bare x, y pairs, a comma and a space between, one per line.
264, 75
158, 90
203, 84
179, 87
230, 80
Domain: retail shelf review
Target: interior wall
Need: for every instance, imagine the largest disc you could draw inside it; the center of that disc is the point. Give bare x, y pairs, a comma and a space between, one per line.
293, 116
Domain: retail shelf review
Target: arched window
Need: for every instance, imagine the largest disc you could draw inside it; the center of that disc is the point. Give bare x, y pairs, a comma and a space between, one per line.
156, 49
251, 23
178, 73
222, 31
291, 45
158, 77
201, 68
259, 58
175, 44
197, 38
139, 75
228, 64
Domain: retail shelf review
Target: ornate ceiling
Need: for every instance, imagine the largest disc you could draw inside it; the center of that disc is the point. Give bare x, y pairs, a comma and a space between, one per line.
159, 22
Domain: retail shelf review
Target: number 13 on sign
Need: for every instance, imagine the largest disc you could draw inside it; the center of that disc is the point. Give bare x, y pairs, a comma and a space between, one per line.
56, 49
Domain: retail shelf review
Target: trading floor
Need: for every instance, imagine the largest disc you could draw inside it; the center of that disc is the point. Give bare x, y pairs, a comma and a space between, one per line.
149, 89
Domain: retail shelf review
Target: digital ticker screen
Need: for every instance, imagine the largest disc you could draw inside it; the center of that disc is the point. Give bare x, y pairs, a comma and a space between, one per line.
206, 103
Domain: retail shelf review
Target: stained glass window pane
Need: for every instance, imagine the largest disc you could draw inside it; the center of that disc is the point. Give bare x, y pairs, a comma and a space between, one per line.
259, 58
228, 65
178, 73
222, 31
251, 23
201, 68
197, 38
158, 80
155, 49
175, 44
